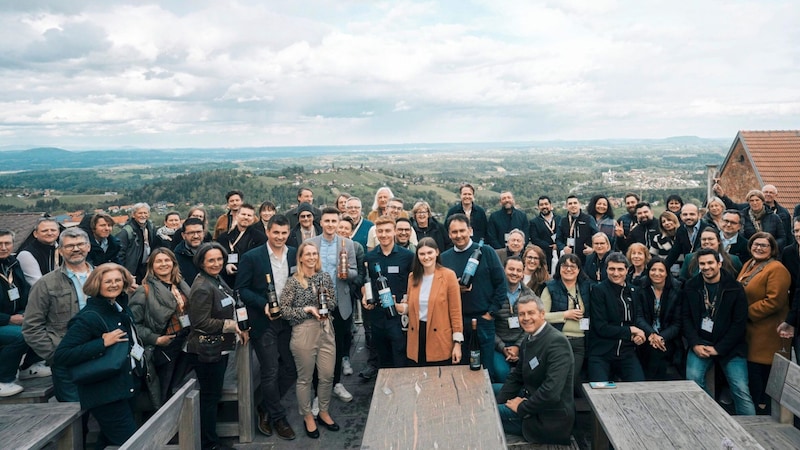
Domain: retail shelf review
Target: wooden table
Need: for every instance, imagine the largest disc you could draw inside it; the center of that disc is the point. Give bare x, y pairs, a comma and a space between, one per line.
33, 426
433, 407
662, 414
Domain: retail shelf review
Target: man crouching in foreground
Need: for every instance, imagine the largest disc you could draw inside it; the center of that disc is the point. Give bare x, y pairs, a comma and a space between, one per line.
536, 401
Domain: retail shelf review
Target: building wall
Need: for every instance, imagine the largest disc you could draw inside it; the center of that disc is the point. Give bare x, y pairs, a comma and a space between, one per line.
738, 176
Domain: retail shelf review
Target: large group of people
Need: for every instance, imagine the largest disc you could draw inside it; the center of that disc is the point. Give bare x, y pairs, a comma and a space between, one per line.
556, 300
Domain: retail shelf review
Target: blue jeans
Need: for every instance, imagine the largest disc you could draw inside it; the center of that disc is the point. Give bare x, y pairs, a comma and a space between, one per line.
512, 423
12, 349
736, 373
501, 367
603, 368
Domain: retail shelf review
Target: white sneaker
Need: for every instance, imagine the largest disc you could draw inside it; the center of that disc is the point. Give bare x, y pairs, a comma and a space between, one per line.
341, 392
347, 369
315, 407
9, 389
38, 370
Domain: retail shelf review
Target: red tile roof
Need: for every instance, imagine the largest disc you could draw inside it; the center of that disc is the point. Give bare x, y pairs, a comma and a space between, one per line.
776, 157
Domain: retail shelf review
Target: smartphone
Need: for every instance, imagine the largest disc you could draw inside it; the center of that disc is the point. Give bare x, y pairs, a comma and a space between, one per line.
603, 385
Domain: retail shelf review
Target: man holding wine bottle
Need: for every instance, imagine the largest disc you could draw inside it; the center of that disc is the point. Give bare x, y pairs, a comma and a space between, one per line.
263, 272
483, 285
389, 266
338, 257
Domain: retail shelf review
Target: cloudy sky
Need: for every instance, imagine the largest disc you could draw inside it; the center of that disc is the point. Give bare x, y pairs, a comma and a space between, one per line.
209, 73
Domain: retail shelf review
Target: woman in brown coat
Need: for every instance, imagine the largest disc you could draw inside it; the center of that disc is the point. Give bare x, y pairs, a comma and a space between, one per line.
766, 284
435, 330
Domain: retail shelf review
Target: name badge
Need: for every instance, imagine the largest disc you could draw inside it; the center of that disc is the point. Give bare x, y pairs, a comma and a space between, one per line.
584, 323
227, 301
13, 294
707, 324
393, 269
292, 270
553, 237
534, 363
184, 320
570, 242
137, 351
233, 258
513, 322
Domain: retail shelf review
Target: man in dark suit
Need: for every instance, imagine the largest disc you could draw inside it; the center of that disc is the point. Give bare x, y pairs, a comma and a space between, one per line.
733, 241
574, 234
270, 335
546, 411
543, 227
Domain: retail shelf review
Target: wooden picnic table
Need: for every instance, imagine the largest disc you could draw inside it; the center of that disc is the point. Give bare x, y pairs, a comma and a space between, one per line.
433, 407
34, 426
662, 414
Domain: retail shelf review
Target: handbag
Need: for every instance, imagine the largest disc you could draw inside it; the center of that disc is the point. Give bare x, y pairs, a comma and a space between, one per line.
210, 347
113, 361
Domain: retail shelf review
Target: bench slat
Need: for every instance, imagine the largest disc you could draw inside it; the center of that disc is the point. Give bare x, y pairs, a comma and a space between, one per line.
160, 428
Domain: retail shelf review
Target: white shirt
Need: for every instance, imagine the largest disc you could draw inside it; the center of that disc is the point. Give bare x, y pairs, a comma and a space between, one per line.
279, 269
424, 296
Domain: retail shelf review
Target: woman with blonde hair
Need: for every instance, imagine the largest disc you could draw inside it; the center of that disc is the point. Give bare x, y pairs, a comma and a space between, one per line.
638, 256
313, 343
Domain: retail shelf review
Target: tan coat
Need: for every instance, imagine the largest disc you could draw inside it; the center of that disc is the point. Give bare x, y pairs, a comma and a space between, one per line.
768, 304
444, 316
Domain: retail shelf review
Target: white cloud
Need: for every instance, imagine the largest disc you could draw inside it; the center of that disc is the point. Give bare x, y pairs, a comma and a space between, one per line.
250, 72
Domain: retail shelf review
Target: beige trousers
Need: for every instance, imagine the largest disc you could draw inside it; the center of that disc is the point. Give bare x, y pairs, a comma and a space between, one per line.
313, 344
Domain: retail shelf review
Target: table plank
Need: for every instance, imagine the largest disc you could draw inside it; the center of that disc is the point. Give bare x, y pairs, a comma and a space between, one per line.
725, 425
613, 421
32, 426
430, 407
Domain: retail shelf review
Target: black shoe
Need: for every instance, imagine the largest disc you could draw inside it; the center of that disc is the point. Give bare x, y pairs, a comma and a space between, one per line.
264, 425
285, 430
330, 426
368, 372
312, 434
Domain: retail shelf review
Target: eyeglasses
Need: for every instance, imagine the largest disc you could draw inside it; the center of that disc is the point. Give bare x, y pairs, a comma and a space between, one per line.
421, 213
569, 267
6, 244
532, 258
75, 246
404, 230
760, 245
730, 222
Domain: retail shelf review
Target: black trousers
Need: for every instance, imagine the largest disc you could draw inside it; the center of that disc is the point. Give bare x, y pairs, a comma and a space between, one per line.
210, 376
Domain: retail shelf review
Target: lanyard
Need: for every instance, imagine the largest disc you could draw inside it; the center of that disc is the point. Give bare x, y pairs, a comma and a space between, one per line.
9, 277
232, 245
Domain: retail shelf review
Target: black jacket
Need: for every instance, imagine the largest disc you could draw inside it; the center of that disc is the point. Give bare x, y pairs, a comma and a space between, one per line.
669, 314
683, 245
612, 315
500, 223
540, 234
477, 220
435, 231
730, 318
8, 307
96, 255
583, 229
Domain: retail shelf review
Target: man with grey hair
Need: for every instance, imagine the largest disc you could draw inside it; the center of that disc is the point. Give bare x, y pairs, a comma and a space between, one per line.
137, 239
53, 301
537, 401
38, 256
514, 245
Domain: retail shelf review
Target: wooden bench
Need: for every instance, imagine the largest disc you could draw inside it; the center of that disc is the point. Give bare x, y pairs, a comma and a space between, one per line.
241, 380
37, 390
180, 414
777, 431
41, 425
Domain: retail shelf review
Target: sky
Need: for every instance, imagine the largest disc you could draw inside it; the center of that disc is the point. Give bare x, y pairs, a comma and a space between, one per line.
83, 74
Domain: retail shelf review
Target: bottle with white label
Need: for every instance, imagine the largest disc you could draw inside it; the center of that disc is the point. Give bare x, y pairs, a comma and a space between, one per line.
241, 312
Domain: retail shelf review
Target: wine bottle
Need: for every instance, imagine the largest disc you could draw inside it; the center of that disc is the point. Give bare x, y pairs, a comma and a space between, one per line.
474, 348
241, 312
273, 306
323, 300
385, 293
368, 297
343, 266
472, 266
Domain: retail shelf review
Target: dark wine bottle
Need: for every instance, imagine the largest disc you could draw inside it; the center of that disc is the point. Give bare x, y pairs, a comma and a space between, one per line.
474, 348
368, 297
385, 293
273, 306
241, 312
323, 300
472, 266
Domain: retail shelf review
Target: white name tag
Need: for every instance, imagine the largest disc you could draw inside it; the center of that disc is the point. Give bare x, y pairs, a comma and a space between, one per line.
584, 324
393, 269
184, 320
513, 322
534, 363
13, 294
292, 270
553, 237
233, 258
570, 242
227, 301
137, 351
707, 325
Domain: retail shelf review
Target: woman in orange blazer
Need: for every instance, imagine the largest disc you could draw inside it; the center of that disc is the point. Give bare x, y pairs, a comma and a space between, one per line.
435, 329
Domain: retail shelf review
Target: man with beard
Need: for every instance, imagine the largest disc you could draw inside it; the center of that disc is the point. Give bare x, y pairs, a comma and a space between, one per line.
644, 230
502, 221
543, 227
576, 230
475, 214
137, 239
304, 195
193, 232
227, 221
627, 220
687, 238
53, 301
239, 240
